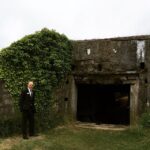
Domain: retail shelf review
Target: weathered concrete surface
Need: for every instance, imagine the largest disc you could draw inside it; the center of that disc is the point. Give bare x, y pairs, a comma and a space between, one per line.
105, 56
6, 104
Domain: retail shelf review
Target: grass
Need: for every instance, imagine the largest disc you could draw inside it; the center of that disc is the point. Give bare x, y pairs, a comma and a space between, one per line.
74, 138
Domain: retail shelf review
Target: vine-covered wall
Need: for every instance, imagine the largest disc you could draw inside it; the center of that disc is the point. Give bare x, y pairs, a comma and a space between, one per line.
43, 57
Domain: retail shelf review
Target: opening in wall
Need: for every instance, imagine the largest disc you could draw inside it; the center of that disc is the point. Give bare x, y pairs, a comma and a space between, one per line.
108, 104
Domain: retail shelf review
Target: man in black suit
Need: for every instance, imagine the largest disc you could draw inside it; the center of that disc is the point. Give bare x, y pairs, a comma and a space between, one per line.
28, 109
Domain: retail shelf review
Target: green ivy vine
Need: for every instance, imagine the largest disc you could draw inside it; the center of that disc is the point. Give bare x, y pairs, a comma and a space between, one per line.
44, 57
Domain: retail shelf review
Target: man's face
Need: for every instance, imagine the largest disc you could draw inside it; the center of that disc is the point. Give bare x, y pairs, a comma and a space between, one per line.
30, 85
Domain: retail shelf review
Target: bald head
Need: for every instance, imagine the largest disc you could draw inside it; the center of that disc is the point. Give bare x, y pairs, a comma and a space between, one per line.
30, 85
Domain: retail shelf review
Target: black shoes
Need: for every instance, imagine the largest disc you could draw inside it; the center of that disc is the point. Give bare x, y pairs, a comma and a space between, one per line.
33, 135
25, 137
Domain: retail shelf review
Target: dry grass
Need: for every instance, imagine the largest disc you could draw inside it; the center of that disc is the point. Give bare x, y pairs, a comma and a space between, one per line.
8, 143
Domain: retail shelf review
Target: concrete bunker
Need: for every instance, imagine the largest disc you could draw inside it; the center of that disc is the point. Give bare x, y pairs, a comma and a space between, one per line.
110, 75
110, 80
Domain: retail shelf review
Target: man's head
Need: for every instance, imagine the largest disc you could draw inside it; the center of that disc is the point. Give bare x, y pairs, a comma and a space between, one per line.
30, 85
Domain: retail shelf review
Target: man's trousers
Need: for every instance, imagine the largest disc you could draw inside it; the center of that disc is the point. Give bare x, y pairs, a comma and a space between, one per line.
27, 123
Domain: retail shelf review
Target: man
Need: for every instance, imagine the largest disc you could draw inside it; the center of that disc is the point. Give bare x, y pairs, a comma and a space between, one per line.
28, 109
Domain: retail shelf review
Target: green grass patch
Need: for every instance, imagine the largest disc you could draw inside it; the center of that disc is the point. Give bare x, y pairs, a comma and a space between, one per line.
73, 138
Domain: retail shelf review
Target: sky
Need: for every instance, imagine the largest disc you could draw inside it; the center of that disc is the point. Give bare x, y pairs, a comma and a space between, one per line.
77, 19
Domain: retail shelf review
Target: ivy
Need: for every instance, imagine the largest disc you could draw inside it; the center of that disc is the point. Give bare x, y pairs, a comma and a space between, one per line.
43, 57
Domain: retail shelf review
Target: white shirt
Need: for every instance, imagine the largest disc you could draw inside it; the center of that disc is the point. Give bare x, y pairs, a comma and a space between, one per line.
30, 91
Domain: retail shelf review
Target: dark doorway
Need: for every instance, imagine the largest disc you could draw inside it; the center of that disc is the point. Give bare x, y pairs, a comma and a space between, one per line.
108, 104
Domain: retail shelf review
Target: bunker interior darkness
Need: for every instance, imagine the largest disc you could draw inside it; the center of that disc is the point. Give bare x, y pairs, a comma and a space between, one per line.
103, 104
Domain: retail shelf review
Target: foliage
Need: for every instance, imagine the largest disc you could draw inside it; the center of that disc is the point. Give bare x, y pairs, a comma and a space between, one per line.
10, 126
43, 57
145, 119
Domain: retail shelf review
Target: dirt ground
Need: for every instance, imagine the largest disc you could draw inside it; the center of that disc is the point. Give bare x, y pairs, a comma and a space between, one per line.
102, 126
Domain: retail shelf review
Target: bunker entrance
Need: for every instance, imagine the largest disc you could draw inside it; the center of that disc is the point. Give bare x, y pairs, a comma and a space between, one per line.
103, 104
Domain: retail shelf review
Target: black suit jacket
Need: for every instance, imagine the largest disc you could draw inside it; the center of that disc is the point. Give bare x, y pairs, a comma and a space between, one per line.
26, 101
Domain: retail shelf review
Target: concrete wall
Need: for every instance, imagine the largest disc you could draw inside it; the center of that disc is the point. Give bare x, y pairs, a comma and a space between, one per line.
105, 56
6, 104
147, 72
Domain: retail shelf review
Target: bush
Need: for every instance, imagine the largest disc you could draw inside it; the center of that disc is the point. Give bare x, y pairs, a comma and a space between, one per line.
10, 126
145, 119
45, 58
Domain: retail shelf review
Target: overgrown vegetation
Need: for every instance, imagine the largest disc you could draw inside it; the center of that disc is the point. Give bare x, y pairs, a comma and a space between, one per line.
43, 57
10, 126
145, 119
